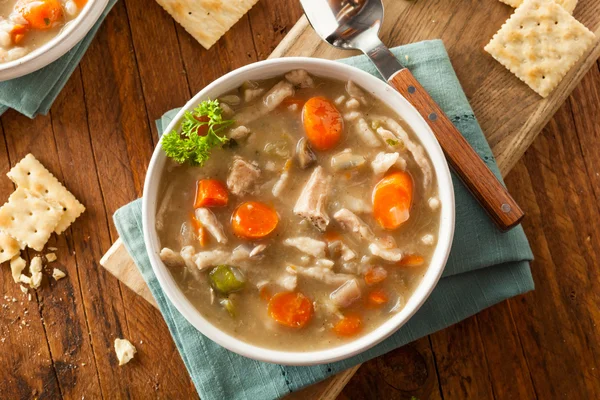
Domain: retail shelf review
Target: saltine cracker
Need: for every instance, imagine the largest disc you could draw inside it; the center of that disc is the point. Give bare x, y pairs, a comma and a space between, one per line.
29, 218
207, 20
540, 43
30, 174
568, 5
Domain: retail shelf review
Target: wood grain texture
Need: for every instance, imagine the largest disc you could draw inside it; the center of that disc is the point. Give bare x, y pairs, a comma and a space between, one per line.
477, 177
98, 139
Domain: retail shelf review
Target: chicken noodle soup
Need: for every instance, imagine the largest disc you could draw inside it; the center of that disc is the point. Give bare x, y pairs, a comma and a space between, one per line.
299, 213
26, 25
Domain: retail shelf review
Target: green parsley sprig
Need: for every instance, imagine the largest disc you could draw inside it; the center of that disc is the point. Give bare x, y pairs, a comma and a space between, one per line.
191, 145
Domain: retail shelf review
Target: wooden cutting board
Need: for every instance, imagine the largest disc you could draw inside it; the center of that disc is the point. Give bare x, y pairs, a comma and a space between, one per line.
510, 113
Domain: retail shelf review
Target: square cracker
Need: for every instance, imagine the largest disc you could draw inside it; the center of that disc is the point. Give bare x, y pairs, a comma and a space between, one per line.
9, 247
30, 174
568, 5
29, 218
207, 20
540, 43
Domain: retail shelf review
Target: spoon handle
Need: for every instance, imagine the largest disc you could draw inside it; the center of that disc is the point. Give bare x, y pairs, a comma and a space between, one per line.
484, 185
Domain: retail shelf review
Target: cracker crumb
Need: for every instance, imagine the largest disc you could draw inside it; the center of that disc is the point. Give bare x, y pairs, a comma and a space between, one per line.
125, 351
428, 239
36, 272
23, 290
52, 248
57, 274
51, 257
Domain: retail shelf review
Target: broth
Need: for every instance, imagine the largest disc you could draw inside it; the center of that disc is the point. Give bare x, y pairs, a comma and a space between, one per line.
26, 25
272, 146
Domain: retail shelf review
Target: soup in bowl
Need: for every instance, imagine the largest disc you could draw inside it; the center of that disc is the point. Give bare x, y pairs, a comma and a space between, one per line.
298, 211
33, 33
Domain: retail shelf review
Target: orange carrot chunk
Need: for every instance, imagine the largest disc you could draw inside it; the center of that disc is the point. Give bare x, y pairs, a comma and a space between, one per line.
210, 193
199, 230
350, 325
392, 199
375, 275
323, 123
332, 236
291, 309
377, 298
254, 220
41, 14
265, 293
411, 260
17, 34
80, 3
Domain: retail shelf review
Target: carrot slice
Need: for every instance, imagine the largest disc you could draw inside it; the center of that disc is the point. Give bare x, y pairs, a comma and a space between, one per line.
392, 199
202, 129
377, 298
41, 14
264, 293
350, 325
291, 309
199, 230
411, 260
323, 123
210, 193
375, 275
17, 34
254, 220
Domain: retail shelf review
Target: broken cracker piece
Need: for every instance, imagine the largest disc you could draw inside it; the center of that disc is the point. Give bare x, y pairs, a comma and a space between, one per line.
568, 5
30, 174
540, 43
9, 247
17, 265
125, 351
207, 21
36, 272
25, 279
57, 274
29, 218
50, 257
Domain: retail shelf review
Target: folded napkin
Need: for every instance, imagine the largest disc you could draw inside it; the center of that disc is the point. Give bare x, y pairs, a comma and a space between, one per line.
484, 268
34, 93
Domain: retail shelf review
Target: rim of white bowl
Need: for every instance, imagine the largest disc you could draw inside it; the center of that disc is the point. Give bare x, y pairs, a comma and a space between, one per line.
56, 47
363, 343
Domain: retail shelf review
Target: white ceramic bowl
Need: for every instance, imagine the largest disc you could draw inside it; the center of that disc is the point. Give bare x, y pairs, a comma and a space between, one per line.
58, 45
329, 69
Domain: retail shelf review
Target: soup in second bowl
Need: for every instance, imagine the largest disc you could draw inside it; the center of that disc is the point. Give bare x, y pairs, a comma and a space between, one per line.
26, 25
297, 213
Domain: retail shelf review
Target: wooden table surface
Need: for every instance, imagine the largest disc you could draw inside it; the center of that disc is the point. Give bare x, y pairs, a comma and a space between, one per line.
98, 140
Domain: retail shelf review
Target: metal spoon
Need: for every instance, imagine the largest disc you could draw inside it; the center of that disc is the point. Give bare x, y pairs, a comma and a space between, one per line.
355, 24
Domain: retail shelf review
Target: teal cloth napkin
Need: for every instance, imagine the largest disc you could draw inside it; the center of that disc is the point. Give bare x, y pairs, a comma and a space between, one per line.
484, 268
34, 93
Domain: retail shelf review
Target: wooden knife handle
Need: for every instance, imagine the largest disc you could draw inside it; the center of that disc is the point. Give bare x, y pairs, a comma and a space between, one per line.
484, 185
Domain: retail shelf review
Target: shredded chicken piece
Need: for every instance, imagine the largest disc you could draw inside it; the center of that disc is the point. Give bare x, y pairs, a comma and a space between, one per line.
283, 179
205, 259
349, 221
251, 94
352, 116
356, 92
390, 140
324, 275
347, 253
211, 223
356, 205
239, 132
346, 294
393, 254
300, 78
339, 100
313, 247
242, 176
171, 258
312, 202
288, 281
415, 149
353, 104
383, 162
277, 94
365, 133
257, 250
